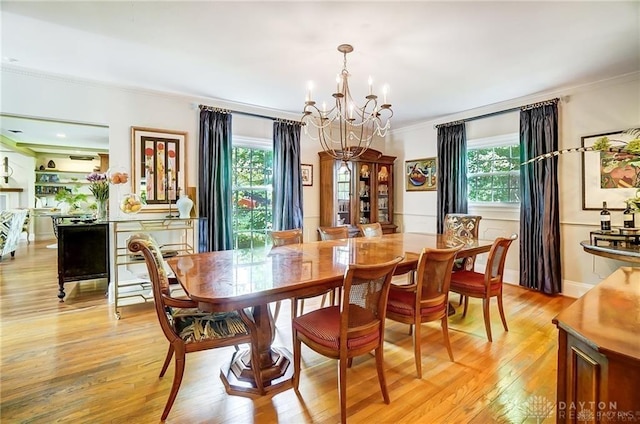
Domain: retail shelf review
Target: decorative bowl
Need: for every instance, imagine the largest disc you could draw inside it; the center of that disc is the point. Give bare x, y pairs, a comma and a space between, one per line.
117, 175
131, 204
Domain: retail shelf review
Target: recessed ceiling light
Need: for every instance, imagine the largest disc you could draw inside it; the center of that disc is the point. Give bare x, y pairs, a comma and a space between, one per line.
9, 59
15, 131
61, 135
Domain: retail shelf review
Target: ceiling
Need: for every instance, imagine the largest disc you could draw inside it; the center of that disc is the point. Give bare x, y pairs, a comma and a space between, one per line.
438, 58
49, 136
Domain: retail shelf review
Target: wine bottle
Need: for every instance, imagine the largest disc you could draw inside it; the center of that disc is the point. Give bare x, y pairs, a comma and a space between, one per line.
628, 217
605, 218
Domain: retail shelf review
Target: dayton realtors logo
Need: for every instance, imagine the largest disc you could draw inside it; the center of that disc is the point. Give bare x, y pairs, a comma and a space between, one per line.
539, 408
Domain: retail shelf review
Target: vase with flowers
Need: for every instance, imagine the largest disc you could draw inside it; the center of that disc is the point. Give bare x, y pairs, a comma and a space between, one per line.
99, 187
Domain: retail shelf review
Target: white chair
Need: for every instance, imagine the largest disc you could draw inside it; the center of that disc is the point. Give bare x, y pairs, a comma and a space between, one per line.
11, 225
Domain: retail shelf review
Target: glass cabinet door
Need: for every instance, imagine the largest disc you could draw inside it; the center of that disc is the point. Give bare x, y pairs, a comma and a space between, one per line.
383, 190
343, 193
364, 192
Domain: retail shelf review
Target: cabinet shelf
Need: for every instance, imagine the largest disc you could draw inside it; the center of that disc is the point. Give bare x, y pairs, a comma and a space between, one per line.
51, 181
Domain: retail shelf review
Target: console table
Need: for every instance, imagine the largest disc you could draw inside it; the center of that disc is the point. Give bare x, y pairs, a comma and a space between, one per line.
599, 352
621, 244
176, 236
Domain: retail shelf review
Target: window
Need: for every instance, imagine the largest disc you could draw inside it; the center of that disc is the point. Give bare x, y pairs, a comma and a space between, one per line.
252, 188
493, 169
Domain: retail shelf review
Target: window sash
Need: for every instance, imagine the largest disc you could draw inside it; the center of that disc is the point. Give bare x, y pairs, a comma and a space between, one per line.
495, 180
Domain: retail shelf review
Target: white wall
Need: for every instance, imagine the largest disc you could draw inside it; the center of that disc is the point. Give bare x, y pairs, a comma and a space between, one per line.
611, 105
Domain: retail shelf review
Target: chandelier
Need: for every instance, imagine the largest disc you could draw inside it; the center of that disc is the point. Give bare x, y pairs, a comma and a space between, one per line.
346, 130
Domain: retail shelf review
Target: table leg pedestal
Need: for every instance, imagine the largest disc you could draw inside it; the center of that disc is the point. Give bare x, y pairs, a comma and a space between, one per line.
275, 363
238, 376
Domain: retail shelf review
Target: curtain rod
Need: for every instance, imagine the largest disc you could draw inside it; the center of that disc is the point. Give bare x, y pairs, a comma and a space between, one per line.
500, 112
254, 115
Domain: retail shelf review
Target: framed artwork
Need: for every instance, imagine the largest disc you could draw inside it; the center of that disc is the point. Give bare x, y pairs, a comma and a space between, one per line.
159, 168
307, 174
420, 174
608, 177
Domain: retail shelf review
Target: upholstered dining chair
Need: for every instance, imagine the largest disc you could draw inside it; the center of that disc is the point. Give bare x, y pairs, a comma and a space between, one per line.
426, 300
370, 230
333, 233
487, 285
186, 327
466, 226
11, 225
354, 328
282, 238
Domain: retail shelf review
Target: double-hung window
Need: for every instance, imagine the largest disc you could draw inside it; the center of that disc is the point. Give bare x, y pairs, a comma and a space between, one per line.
252, 192
493, 170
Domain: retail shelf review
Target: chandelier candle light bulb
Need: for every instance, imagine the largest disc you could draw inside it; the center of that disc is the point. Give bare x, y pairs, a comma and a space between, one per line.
309, 90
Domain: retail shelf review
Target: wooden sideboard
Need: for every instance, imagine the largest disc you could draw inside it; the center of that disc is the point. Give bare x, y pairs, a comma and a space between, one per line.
599, 353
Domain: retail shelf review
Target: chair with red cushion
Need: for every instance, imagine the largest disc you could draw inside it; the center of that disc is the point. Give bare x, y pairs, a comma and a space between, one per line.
487, 285
465, 226
354, 328
427, 299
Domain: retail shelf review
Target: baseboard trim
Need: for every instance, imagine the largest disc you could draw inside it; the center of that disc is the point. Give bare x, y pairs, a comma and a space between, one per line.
573, 289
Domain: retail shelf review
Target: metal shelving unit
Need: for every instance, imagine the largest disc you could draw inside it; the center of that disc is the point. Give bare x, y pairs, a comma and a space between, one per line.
175, 236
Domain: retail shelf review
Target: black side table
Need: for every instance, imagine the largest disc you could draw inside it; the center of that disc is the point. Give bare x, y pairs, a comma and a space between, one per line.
83, 253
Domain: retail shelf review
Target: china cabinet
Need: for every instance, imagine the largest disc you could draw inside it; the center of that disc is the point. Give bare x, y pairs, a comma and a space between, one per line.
357, 192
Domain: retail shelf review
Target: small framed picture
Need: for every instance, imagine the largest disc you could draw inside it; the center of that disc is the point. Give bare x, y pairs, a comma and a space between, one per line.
421, 174
307, 174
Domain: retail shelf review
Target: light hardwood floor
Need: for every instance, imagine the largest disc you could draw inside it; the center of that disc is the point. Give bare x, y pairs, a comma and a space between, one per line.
74, 362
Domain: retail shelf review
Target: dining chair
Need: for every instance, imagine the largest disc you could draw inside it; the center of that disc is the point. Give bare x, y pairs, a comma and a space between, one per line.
287, 237
187, 328
487, 285
354, 328
426, 300
284, 237
462, 225
370, 230
333, 233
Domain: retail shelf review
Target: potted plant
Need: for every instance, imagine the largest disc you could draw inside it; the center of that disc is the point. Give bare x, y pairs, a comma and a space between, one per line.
72, 198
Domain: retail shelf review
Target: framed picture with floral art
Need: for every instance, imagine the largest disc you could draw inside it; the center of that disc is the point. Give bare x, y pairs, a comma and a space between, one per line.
159, 168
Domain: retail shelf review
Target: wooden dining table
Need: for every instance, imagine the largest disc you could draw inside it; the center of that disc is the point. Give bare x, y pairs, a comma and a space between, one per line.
252, 278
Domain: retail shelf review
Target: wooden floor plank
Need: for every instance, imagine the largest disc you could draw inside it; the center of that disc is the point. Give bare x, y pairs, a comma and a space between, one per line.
75, 362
